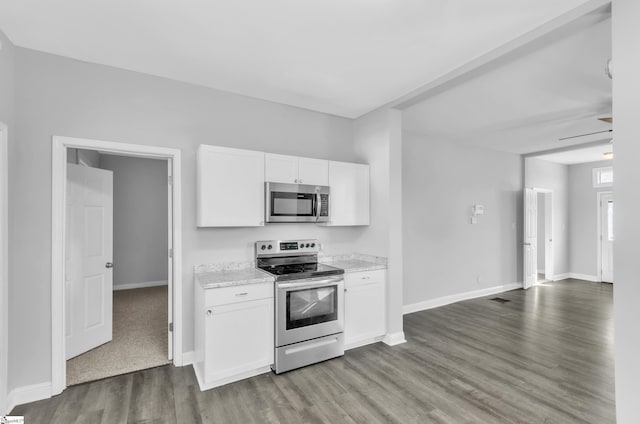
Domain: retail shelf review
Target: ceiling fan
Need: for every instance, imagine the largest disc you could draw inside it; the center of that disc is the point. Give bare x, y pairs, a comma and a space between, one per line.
608, 120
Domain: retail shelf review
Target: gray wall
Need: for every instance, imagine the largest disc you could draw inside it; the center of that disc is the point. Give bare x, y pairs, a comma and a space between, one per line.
6, 116
443, 253
554, 176
59, 96
139, 219
626, 90
583, 218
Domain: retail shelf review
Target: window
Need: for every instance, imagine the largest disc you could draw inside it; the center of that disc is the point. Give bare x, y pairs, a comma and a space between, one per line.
603, 177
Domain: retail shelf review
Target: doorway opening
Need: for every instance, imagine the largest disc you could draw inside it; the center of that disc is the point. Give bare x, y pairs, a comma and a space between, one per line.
605, 236
116, 287
93, 298
538, 239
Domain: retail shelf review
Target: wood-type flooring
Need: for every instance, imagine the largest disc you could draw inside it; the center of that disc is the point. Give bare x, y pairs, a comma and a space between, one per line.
546, 356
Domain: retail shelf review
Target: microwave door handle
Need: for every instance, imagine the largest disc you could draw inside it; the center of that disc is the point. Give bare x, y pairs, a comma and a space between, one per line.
318, 199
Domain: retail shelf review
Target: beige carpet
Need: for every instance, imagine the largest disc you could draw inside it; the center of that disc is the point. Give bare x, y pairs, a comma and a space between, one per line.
139, 337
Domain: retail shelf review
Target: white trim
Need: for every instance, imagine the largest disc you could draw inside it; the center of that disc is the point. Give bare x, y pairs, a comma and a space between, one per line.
393, 339
599, 231
453, 298
117, 287
58, 182
27, 394
188, 358
4, 275
559, 277
595, 175
363, 342
584, 277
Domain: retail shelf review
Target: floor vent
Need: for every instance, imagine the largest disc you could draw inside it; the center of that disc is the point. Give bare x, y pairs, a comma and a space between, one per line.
500, 300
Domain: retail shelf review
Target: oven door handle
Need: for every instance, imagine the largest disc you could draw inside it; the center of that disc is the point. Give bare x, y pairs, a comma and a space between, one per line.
311, 284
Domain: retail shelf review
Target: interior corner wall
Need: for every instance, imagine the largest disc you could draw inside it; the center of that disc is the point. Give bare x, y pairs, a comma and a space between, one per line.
583, 218
444, 253
7, 65
626, 293
65, 97
553, 176
378, 141
140, 220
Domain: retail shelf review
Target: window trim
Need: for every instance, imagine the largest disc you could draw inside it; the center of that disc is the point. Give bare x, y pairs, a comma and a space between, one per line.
596, 176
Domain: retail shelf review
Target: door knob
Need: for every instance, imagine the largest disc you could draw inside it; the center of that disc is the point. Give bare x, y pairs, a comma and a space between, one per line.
108, 265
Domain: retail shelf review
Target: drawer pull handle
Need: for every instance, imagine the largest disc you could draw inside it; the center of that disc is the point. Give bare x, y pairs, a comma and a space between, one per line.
365, 278
241, 294
209, 312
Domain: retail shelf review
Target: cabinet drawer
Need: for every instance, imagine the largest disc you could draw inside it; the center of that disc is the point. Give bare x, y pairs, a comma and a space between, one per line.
236, 294
354, 279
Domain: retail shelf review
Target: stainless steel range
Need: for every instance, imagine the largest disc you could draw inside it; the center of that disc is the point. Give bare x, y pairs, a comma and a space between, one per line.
309, 303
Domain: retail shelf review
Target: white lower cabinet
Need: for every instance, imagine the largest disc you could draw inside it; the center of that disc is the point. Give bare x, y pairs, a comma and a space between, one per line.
234, 340
365, 307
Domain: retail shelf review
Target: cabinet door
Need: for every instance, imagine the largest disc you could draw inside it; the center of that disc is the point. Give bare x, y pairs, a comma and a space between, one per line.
230, 187
365, 307
239, 338
281, 168
313, 171
349, 184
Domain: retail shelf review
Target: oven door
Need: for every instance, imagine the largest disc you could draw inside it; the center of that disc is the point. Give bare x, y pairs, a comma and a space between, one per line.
310, 308
296, 203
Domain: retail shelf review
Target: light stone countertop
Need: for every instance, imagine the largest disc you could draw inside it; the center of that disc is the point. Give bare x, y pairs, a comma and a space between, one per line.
355, 262
232, 277
226, 274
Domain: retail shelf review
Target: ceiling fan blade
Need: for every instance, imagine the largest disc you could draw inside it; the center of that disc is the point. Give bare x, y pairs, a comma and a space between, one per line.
584, 135
608, 120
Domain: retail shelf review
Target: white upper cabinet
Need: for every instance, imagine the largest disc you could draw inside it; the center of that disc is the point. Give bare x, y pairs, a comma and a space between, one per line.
313, 171
296, 170
230, 187
349, 184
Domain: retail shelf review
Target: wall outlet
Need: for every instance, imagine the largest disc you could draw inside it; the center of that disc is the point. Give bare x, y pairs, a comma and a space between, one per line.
474, 219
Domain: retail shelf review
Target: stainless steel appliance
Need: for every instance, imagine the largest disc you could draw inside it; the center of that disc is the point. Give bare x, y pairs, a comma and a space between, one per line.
309, 303
296, 203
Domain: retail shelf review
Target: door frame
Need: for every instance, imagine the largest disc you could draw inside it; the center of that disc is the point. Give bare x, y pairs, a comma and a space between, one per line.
58, 239
549, 263
4, 274
599, 233
548, 232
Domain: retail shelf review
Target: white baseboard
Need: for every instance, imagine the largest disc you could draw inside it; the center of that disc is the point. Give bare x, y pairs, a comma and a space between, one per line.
187, 358
585, 277
140, 285
446, 300
393, 339
559, 277
27, 394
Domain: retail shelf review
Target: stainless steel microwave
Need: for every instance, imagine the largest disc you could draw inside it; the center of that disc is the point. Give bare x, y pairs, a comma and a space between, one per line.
296, 203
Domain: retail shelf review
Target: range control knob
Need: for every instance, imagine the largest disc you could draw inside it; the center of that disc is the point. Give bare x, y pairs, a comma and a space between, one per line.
313, 245
301, 245
308, 245
263, 247
270, 247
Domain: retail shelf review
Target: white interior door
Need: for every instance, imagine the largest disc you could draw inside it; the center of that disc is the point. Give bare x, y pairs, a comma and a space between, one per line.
89, 252
606, 236
530, 237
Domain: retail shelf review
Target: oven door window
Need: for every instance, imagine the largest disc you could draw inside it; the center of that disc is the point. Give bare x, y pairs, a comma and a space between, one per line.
292, 204
311, 306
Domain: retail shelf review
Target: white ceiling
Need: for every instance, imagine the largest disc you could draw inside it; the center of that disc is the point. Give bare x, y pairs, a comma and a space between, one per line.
586, 155
335, 56
526, 103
